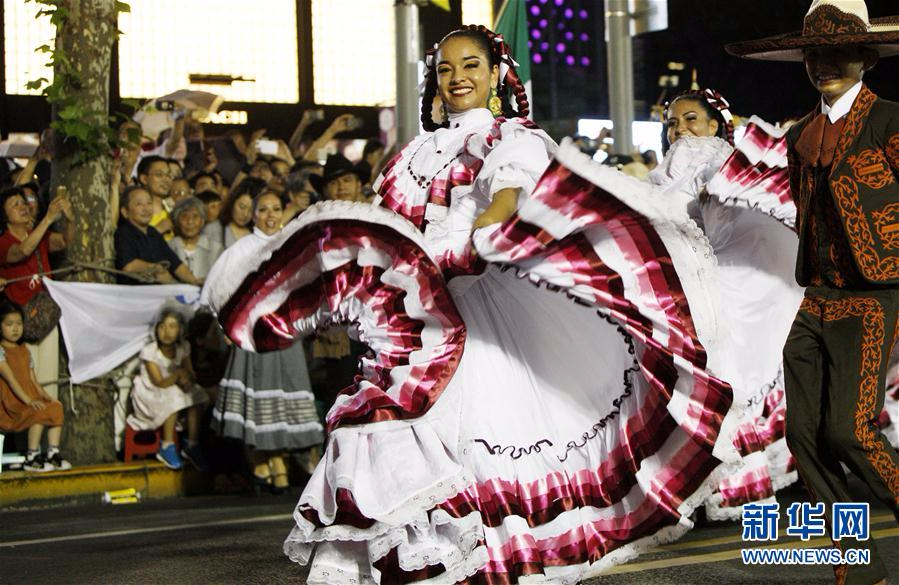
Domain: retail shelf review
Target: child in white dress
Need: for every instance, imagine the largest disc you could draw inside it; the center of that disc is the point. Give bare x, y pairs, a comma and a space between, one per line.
167, 386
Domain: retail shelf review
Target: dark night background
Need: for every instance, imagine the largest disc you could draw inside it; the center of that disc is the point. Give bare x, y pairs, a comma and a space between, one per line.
696, 35
573, 84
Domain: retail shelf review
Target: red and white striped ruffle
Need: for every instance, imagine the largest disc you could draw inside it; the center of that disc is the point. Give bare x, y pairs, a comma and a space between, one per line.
342, 262
756, 174
766, 464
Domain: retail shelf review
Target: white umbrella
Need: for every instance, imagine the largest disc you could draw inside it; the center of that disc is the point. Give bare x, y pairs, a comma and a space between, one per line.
156, 115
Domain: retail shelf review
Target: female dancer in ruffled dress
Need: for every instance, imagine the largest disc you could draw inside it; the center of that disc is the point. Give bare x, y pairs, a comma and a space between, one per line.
264, 400
538, 400
740, 198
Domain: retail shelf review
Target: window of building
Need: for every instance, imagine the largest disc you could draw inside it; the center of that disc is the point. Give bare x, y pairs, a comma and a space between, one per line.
23, 33
478, 12
354, 52
167, 43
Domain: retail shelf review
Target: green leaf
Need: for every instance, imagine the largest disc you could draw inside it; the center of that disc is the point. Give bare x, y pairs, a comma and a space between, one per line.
131, 103
72, 112
122, 7
44, 49
133, 135
37, 83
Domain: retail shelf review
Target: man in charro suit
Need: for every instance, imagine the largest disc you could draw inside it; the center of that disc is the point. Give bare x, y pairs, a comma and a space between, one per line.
844, 177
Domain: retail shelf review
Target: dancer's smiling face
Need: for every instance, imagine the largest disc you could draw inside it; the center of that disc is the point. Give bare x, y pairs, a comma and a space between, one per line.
687, 117
464, 74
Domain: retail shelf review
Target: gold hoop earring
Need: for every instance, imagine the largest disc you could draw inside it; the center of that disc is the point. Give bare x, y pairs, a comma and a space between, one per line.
494, 104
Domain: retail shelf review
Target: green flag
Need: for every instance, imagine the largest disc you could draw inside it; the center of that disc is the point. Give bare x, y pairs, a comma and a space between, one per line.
512, 23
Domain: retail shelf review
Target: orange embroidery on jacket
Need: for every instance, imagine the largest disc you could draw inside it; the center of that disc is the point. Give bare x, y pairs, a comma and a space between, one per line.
893, 152
811, 306
870, 168
853, 126
886, 222
871, 265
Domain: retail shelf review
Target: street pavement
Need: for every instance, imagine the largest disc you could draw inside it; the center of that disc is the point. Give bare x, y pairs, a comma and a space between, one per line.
237, 539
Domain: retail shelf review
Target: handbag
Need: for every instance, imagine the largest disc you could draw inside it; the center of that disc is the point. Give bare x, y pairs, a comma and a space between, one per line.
41, 314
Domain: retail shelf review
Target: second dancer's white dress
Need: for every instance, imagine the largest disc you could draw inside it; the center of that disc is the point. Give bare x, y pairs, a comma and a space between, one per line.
740, 199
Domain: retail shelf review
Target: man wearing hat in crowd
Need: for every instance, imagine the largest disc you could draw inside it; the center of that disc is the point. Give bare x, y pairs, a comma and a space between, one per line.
844, 177
341, 179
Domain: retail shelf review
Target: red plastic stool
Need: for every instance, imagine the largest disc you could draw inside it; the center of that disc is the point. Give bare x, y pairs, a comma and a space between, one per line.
140, 443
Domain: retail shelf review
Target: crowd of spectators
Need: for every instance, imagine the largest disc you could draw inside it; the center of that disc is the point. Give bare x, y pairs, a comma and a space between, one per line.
178, 201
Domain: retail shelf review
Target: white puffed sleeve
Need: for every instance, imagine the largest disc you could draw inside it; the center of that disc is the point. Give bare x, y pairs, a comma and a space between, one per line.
517, 161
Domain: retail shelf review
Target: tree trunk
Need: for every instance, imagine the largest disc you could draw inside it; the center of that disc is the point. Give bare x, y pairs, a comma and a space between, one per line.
87, 37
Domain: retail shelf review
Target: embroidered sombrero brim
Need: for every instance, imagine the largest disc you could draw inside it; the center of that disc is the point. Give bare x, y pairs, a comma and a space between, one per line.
789, 47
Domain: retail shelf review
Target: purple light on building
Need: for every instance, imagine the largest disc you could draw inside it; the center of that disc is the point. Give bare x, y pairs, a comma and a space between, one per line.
542, 23
542, 1
569, 60
569, 13
585, 61
561, 26
560, 47
569, 36
535, 10
585, 37
530, 44
560, 2
582, 14
535, 33
544, 46
538, 58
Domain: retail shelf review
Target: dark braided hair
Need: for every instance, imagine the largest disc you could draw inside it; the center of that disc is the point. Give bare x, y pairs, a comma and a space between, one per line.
714, 105
497, 52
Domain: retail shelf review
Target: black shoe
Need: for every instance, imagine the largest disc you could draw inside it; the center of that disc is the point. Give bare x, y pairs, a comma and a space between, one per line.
58, 463
278, 490
262, 485
37, 463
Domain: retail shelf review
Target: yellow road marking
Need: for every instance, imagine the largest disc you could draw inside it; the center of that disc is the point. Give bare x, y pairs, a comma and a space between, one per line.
729, 555
875, 520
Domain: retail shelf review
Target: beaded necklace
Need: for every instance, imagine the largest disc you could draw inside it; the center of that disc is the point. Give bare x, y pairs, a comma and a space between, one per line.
425, 182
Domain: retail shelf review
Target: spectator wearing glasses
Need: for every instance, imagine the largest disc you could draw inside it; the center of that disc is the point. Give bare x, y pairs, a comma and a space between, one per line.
180, 190
155, 176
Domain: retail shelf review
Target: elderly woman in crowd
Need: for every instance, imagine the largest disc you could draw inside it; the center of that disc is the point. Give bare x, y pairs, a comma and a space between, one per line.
192, 246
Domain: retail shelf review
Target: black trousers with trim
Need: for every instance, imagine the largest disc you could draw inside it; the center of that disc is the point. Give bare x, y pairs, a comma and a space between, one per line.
835, 364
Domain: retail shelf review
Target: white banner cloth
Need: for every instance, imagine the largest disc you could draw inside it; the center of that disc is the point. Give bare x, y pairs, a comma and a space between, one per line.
105, 324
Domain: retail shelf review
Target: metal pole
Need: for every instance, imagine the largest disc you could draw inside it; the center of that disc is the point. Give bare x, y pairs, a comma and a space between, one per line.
621, 74
408, 48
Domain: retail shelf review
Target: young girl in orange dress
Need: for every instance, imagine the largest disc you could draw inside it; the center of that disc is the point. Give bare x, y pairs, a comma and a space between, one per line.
23, 403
